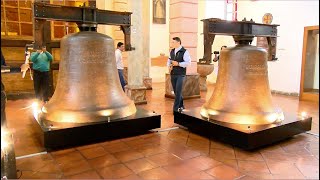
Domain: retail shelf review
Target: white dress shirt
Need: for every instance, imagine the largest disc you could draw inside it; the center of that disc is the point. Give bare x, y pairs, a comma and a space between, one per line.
119, 59
186, 58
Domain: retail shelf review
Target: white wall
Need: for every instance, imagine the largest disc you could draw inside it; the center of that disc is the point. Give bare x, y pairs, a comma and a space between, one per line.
105, 5
159, 34
159, 43
201, 15
215, 9
293, 16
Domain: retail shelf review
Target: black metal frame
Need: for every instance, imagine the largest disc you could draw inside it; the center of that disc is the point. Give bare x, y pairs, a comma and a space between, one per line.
241, 28
84, 15
214, 26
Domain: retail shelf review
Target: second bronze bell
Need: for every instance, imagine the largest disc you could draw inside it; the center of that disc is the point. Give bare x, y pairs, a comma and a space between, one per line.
242, 94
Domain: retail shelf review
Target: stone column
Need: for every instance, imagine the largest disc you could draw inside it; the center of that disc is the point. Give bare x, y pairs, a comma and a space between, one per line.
105, 5
135, 88
147, 80
123, 5
184, 24
204, 70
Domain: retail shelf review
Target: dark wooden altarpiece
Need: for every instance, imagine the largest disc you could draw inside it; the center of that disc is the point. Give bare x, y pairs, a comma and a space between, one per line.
40, 31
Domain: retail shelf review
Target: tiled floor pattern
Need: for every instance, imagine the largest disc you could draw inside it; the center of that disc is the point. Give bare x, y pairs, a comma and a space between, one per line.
174, 154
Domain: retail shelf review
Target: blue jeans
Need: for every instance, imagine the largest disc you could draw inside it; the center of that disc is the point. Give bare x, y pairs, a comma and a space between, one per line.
122, 81
177, 82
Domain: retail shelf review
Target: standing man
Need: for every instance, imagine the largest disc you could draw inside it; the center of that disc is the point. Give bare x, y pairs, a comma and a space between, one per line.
178, 61
118, 53
41, 66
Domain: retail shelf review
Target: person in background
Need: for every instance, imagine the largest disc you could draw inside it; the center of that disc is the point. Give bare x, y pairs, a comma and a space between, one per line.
119, 62
177, 63
41, 65
3, 61
216, 56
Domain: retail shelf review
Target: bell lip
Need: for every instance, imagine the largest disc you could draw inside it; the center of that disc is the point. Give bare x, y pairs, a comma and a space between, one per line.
263, 118
80, 116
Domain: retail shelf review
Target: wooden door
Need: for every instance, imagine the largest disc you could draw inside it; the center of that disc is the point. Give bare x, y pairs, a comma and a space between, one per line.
309, 82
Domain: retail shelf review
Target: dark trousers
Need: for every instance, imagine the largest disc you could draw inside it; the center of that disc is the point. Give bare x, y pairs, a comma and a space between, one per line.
177, 82
41, 85
122, 81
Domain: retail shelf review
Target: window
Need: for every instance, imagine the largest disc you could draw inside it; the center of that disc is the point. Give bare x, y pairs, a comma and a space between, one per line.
16, 18
231, 10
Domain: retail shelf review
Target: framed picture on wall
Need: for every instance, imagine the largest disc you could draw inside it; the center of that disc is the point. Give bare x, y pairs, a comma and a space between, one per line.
159, 11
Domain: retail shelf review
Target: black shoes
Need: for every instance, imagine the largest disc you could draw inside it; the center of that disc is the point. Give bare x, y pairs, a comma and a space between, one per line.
180, 109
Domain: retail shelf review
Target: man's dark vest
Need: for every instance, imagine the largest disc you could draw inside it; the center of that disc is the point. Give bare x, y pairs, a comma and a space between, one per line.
177, 70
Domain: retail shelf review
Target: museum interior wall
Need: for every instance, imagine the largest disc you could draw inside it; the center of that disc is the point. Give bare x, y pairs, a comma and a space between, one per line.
213, 9
206, 9
296, 16
293, 16
159, 46
107, 5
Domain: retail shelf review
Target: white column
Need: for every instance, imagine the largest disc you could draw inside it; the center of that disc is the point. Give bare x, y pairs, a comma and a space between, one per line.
147, 81
135, 88
105, 5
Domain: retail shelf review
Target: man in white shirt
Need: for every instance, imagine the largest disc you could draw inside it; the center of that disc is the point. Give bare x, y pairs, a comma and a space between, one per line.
118, 53
177, 63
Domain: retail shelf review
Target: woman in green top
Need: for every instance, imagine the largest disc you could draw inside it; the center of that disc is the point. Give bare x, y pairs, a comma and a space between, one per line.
41, 66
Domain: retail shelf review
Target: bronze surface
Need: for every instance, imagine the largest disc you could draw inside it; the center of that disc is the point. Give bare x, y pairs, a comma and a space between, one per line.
88, 87
242, 94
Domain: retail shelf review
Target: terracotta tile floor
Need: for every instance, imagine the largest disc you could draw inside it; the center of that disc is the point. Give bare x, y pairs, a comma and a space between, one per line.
174, 154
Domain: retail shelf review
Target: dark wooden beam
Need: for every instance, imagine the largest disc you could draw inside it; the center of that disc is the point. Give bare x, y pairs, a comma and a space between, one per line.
14, 42
92, 3
207, 43
15, 65
55, 44
22, 43
127, 43
272, 50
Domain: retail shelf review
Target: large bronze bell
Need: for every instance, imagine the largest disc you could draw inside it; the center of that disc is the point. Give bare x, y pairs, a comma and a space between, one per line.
88, 87
242, 94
